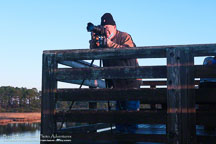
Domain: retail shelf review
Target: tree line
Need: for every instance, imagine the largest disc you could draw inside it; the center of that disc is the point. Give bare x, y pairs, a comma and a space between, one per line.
14, 99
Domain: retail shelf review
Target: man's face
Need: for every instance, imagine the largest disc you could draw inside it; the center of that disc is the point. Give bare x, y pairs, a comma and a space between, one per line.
110, 30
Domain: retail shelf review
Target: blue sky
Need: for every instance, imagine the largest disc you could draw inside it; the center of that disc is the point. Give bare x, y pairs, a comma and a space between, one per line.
28, 27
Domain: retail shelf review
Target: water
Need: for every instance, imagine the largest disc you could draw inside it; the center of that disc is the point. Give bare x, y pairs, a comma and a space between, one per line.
20, 133
27, 133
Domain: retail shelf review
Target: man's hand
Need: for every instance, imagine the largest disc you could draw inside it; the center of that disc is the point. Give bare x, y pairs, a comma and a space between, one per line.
109, 43
91, 42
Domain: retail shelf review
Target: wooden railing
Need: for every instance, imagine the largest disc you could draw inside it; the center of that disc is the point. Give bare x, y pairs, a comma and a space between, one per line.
180, 95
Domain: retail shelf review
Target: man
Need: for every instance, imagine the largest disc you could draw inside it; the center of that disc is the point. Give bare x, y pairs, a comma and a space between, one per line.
210, 84
118, 39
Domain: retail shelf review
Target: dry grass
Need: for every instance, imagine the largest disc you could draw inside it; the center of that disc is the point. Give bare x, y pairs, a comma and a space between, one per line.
6, 118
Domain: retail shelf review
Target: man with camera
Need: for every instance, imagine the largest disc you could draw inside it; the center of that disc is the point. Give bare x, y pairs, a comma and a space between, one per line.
116, 39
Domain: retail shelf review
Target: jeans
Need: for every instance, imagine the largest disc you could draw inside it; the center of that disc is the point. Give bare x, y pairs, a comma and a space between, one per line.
127, 105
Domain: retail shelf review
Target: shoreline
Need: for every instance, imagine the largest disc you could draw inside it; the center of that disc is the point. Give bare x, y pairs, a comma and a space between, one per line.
30, 117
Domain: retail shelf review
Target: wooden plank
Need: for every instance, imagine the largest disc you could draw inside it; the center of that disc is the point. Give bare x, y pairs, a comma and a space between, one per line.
205, 71
108, 138
147, 95
49, 86
111, 73
66, 74
77, 63
206, 139
161, 83
181, 119
154, 83
205, 96
204, 50
207, 118
114, 137
148, 117
84, 129
110, 53
92, 83
173, 98
113, 116
92, 104
139, 52
188, 97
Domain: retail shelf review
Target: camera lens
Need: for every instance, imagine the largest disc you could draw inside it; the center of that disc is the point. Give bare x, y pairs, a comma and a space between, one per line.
90, 27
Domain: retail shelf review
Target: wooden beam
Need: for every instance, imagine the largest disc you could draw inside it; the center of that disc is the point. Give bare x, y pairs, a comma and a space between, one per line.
206, 139
92, 83
205, 71
138, 52
147, 95
205, 96
203, 49
113, 116
206, 118
84, 129
181, 110
111, 53
114, 137
49, 87
161, 83
77, 63
111, 73
107, 138
66, 74
146, 117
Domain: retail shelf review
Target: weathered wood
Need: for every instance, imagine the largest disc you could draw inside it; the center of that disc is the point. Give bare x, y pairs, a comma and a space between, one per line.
147, 117
203, 50
84, 129
95, 138
83, 64
114, 116
66, 74
147, 95
188, 97
160, 83
182, 116
49, 86
207, 118
111, 73
109, 53
92, 83
206, 139
154, 83
205, 71
181, 119
92, 105
139, 52
77, 63
205, 96
112, 137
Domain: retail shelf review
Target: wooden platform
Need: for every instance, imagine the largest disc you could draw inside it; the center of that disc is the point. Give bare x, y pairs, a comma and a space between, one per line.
184, 105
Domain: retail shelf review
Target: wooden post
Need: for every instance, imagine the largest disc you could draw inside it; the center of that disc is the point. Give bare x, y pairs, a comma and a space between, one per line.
153, 106
49, 87
92, 105
181, 120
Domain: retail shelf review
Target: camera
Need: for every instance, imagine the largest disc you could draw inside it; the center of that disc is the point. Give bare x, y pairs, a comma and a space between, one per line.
98, 35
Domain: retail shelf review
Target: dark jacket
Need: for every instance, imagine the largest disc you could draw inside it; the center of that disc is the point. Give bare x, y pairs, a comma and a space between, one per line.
122, 40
